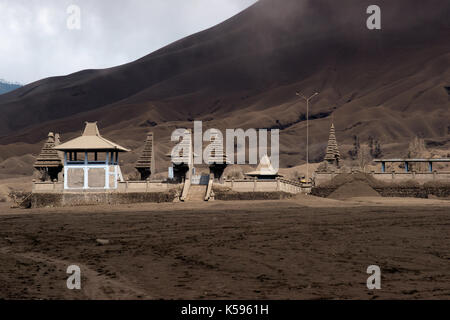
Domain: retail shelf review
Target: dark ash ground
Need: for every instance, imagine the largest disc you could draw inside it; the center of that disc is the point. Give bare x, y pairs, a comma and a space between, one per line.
246, 250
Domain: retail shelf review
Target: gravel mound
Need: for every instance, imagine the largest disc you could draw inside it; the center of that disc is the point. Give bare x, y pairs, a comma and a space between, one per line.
354, 189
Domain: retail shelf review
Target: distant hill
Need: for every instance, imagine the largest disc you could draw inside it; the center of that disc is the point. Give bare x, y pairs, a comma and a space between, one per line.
390, 84
6, 86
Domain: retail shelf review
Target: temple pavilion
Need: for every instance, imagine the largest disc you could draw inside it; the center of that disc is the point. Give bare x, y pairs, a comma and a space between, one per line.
91, 161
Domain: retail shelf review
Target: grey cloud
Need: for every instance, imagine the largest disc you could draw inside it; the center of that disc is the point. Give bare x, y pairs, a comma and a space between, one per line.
35, 42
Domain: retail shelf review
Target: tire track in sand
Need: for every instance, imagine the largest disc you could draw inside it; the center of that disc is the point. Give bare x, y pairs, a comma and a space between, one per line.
94, 285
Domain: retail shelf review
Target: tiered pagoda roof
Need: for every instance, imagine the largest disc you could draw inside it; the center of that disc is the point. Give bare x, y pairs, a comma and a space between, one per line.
49, 157
145, 161
217, 155
185, 145
332, 149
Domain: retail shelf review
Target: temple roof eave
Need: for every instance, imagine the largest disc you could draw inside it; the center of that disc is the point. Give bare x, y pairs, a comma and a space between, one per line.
93, 149
90, 144
48, 164
90, 141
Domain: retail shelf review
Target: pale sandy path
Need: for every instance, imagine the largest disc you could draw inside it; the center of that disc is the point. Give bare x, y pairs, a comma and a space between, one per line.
94, 285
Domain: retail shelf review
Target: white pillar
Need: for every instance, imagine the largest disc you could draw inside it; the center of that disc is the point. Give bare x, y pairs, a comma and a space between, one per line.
86, 171
115, 177
107, 171
65, 170
66, 186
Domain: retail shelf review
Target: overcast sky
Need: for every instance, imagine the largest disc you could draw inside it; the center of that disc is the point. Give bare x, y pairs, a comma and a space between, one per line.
39, 38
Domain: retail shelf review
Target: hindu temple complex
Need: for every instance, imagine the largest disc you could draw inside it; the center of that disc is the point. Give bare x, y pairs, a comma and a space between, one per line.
331, 167
86, 170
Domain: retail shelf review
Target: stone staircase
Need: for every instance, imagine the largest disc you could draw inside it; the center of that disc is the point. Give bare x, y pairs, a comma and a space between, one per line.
196, 193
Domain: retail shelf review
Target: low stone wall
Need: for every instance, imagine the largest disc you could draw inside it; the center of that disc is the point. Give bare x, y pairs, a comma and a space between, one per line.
275, 185
39, 200
251, 185
414, 192
230, 195
323, 178
145, 186
48, 187
394, 191
125, 187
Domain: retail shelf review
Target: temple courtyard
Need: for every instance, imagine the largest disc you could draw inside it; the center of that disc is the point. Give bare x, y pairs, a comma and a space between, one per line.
302, 248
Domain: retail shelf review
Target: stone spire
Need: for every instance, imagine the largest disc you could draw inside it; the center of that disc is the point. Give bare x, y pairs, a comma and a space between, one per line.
216, 158
49, 163
145, 164
333, 156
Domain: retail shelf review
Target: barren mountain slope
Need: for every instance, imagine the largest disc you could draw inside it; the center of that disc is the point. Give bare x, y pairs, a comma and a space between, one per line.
391, 84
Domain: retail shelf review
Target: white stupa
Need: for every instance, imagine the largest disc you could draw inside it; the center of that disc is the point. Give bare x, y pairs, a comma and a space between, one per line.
265, 170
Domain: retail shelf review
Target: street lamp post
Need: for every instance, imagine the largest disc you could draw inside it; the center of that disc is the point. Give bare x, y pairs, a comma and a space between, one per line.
307, 130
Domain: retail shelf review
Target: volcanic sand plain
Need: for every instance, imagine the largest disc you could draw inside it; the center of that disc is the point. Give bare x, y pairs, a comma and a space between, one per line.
304, 248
